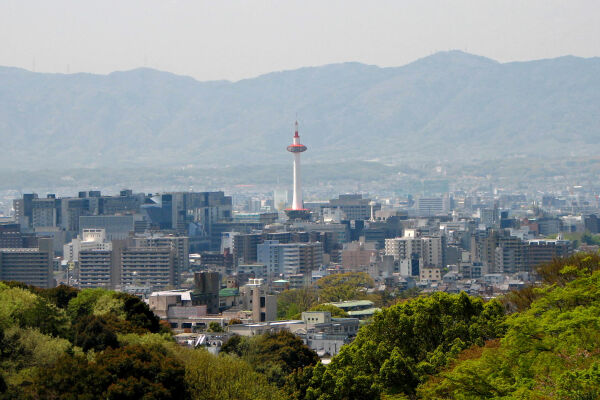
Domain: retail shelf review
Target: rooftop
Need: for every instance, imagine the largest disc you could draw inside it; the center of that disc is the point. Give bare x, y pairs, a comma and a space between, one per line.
352, 303
185, 294
228, 292
368, 311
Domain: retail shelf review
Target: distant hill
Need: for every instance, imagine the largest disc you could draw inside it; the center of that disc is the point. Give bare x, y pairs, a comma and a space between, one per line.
447, 106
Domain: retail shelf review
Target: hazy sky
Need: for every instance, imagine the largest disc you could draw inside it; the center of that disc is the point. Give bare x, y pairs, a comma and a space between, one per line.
221, 39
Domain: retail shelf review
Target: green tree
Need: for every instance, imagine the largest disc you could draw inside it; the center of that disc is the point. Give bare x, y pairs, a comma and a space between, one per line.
550, 350
275, 355
131, 372
580, 385
223, 377
336, 312
60, 295
294, 301
341, 287
26, 309
93, 333
402, 346
83, 304
564, 270
139, 314
23, 351
215, 327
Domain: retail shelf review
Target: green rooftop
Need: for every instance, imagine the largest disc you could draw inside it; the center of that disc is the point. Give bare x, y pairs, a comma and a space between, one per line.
229, 292
353, 304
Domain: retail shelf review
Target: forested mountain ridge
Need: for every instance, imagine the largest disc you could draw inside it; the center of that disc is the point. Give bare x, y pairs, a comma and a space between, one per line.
448, 105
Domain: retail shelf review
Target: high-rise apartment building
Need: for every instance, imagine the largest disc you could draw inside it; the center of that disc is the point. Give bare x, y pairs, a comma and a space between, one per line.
95, 268
290, 258
180, 244
148, 266
429, 249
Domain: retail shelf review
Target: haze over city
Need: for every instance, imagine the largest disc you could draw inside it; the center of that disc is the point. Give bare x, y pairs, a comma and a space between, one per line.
252, 200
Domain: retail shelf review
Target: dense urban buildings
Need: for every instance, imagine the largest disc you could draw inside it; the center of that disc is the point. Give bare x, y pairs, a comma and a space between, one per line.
226, 250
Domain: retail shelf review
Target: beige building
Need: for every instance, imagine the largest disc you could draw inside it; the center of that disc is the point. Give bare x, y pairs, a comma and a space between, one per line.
430, 274
358, 256
255, 296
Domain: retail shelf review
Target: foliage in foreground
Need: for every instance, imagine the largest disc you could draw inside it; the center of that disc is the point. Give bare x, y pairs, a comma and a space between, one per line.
274, 355
401, 347
549, 351
457, 347
63, 343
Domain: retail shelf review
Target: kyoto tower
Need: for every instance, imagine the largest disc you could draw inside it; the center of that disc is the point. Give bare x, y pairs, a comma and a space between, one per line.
297, 211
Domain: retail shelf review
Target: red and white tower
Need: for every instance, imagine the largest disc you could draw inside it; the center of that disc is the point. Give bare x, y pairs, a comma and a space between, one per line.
297, 211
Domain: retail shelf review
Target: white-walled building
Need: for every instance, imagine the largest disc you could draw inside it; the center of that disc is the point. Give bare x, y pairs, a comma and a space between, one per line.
91, 239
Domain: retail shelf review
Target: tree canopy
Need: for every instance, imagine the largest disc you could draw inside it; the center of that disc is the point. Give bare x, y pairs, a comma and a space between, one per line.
65, 343
275, 355
341, 287
401, 347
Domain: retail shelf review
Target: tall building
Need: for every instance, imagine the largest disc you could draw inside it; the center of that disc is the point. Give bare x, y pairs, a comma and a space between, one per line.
245, 247
297, 211
511, 255
428, 206
403, 247
545, 250
11, 236
357, 256
32, 266
45, 212
91, 239
24, 209
255, 296
180, 245
95, 268
290, 258
429, 249
115, 226
70, 211
148, 266
186, 212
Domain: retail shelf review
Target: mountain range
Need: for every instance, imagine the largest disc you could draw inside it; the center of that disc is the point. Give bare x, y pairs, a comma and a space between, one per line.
448, 106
